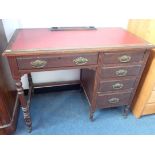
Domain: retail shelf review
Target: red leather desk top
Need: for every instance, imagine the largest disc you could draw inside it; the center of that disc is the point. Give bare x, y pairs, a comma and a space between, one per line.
43, 38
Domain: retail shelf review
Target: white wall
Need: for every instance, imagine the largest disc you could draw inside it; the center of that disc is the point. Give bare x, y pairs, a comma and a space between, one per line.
47, 13
10, 26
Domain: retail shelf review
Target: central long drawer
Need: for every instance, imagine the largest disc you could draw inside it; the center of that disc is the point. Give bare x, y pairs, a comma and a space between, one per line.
64, 60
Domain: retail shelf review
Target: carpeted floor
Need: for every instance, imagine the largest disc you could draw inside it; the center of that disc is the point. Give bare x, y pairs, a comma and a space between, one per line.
67, 113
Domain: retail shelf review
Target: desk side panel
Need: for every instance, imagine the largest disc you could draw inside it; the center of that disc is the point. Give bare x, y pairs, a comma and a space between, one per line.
88, 83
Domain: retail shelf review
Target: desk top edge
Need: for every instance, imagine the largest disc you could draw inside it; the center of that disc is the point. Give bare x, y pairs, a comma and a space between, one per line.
10, 52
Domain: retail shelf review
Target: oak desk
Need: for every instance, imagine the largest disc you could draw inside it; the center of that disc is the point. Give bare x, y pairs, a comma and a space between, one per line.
111, 62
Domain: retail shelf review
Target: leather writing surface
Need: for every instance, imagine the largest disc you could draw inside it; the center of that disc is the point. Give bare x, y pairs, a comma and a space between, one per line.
43, 38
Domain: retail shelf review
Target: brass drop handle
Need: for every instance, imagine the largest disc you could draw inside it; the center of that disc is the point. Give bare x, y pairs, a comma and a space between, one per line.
117, 86
38, 63
121, 72
124, 58
113, 100
80, 61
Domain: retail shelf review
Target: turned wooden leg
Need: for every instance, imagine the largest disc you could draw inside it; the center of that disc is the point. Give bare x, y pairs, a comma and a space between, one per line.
91, 114
126, 111
24, 105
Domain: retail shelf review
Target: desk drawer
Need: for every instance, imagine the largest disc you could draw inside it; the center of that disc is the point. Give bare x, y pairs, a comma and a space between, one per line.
149, 109
123, 57
116, 85
152, 97
120, 71
69, 60
114, 99
154, 87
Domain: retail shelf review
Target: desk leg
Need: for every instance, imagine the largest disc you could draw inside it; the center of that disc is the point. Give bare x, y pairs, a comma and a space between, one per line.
25, 107
91, 114
30, 82
126, 111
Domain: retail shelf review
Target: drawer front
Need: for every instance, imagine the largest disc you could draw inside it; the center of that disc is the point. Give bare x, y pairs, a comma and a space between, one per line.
116, 85
149, 109
68, 60
111, 100
152, 97
120, 71
154, 87
123, 57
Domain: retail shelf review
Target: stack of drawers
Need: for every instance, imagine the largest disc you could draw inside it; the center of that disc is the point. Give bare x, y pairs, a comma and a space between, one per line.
118, 75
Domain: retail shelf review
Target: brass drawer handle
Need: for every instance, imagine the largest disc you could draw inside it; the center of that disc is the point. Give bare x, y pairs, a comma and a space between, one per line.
117, 86
80, 61
113, 100
121, 72
124, 58
38, 63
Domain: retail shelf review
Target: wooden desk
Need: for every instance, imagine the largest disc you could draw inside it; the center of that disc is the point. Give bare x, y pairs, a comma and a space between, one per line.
111, 62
